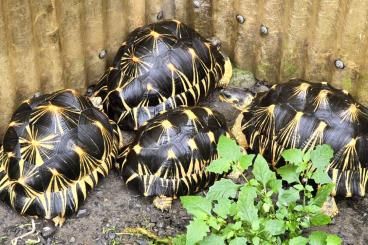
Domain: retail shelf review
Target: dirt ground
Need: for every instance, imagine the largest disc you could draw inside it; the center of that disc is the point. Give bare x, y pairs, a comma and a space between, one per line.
111, 207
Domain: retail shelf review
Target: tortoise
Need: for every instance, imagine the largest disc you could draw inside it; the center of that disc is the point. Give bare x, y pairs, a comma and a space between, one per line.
160, 66
302, 114
56, 148
169, 154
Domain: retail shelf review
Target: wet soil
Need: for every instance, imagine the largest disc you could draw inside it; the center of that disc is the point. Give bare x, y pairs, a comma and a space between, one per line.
111, 207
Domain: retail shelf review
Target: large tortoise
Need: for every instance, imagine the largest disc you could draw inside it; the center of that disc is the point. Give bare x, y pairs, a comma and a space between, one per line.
170, 153
57, 147
160, 66
301, 114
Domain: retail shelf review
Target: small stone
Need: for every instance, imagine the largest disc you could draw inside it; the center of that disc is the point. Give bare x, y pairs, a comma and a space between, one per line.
263, 30
49, 241
82, 213
102, 54
151, 225
137, 205
48, 231
72, 239
112, 235
142, 242
160, 224
160, 15
42, 240
240, 19
160, 233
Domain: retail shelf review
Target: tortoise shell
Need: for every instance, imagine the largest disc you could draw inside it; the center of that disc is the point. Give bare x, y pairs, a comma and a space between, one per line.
56, 148
300, 114
161, 66
169, 155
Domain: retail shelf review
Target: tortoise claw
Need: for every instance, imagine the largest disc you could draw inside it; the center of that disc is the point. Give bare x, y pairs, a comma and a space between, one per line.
59, 221
162, 202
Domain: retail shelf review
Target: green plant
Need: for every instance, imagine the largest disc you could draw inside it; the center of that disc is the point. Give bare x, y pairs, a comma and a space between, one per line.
262, 210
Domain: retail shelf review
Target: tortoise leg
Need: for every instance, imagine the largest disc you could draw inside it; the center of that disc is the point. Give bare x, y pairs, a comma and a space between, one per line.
162, 202
329, 207
59, 221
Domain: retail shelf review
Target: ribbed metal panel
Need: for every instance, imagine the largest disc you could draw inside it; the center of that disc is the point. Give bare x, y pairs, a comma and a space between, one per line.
47, 45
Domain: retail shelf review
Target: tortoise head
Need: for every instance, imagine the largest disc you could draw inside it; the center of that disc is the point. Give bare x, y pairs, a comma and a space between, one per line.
240, 98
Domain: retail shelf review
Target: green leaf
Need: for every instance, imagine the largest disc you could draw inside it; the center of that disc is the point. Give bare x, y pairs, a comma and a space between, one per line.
320, 219
246, 161
299, 240
303, 166
288, 196
212, 222
233, 209
222, 208
306, 157
219, 166
261, 170
321, 156
247, 192
196, 231
238, 241
321, 177
179, 240
248, 212
275, 227
275, 185
289, 173
223, 188
228, 148
322, 194
253, 182
196, 205
309, 188
256, 240
294, 156
246, 209
333, 240
317, 238
213, 240
312, 209
230, 229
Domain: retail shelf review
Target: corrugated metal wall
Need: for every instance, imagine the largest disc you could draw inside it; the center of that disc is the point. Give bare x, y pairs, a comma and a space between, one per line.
50, 44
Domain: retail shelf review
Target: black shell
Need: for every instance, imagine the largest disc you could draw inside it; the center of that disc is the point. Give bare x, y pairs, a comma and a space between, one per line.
161, 66
170, 153
300, 114
55, 150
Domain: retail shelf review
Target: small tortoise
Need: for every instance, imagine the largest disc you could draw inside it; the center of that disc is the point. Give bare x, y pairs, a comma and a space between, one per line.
301, 114
56, 148
169, 155
160, 66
